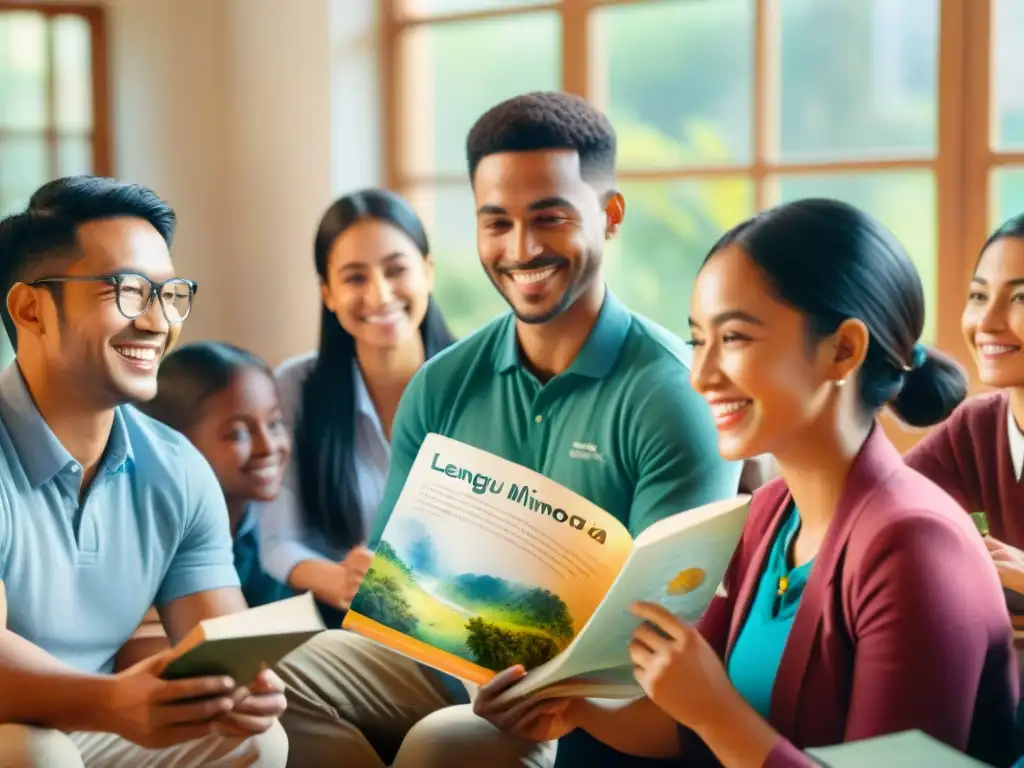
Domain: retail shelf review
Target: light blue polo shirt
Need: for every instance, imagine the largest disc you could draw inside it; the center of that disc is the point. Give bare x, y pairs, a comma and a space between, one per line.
152, 528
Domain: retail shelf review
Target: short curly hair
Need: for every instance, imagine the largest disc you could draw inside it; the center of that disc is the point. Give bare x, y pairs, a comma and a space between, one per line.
545, 120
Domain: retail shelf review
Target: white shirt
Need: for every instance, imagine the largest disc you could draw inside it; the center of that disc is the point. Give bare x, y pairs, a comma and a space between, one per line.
284, 538
1016, 442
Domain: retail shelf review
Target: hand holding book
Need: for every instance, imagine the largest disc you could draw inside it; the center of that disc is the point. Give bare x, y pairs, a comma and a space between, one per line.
485, 565
256, 706
351, 572
243, 645
531, 719
1009, 562
142, 706
677, 668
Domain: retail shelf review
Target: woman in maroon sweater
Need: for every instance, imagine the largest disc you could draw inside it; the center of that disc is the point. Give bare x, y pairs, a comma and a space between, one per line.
977, 455
860, 600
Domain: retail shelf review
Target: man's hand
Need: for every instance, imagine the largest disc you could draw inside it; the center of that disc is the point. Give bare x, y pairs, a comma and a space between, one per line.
155, 713
255, 708
542, 720
351, 571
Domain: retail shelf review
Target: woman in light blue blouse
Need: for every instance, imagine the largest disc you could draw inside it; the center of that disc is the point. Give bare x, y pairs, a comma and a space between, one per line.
378, 326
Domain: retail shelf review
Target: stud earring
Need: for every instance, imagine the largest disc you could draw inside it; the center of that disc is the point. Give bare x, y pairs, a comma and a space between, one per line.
841, 383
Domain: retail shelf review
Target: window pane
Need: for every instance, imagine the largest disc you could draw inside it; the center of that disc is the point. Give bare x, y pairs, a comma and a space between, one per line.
668, 230
455, 72
73, 64
75, 156
858, 78
23, 70
678, 81
903, 201
420, 8
24, 167
1008, 72
1008, 194
462, 289
6, 350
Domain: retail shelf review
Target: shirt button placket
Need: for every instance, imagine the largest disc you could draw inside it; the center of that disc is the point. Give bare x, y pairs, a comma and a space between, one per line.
537, 431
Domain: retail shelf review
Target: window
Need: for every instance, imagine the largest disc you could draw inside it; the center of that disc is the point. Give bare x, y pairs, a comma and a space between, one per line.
53, 102
482, 61
1006, 134
724, 108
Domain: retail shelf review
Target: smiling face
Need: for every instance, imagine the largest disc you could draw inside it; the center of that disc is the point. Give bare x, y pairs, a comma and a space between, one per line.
993, 320
75, 328
541, 229
765, 382
378, 284
241, 433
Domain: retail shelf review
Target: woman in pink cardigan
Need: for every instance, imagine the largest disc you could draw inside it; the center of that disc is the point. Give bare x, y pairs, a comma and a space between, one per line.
860, 600
977, 455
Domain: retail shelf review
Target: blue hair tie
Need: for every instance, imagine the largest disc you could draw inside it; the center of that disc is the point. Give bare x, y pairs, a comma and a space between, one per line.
918, 356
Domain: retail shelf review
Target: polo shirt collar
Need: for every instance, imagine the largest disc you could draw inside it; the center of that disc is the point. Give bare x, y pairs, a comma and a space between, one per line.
598, 353
41, 453
248, 522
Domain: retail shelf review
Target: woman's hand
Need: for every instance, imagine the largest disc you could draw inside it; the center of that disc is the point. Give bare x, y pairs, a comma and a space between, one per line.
1009, 563
351, 571
542, 720
334, 583
677, 668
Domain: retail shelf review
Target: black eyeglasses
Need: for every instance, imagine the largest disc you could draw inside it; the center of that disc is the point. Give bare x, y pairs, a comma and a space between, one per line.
135, 293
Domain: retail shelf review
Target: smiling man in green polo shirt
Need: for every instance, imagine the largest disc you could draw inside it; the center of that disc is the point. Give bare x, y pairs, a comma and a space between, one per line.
570, 383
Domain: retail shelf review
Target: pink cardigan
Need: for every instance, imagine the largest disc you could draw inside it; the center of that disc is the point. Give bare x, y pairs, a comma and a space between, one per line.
902, 623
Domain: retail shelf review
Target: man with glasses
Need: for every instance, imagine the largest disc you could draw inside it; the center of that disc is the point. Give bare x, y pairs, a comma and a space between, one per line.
103, 511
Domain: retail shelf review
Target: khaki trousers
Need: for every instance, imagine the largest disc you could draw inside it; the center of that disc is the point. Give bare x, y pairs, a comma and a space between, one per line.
355, 704
23, 746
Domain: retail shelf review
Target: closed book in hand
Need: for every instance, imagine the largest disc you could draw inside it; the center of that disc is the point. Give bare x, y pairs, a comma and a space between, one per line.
239, 645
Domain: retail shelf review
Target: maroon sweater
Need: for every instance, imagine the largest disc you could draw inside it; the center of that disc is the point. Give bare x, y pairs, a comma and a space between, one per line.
969, 457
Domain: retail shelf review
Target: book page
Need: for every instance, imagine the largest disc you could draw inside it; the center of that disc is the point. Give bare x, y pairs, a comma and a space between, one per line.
909, 749
485, 564
293, 614
679, 567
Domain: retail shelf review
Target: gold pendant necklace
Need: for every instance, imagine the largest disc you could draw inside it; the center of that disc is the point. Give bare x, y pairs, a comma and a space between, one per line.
783, 585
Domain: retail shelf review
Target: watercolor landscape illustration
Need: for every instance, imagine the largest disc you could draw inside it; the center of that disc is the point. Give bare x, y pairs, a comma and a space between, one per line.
487, 620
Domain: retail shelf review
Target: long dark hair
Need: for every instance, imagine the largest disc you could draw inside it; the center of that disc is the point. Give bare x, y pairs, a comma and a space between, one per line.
325, 431
833, 262
194, 373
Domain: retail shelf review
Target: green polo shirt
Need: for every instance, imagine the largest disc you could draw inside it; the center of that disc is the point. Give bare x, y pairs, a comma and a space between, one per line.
622, 426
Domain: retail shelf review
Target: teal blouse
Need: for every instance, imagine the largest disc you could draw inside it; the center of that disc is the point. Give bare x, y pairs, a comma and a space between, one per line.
258, 586
755, 658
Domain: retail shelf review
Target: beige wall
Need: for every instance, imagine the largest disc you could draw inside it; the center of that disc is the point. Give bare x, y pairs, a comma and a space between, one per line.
249, 116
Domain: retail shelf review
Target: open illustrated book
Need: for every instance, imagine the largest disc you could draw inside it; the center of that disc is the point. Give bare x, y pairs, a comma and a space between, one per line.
484, 564
241, 644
